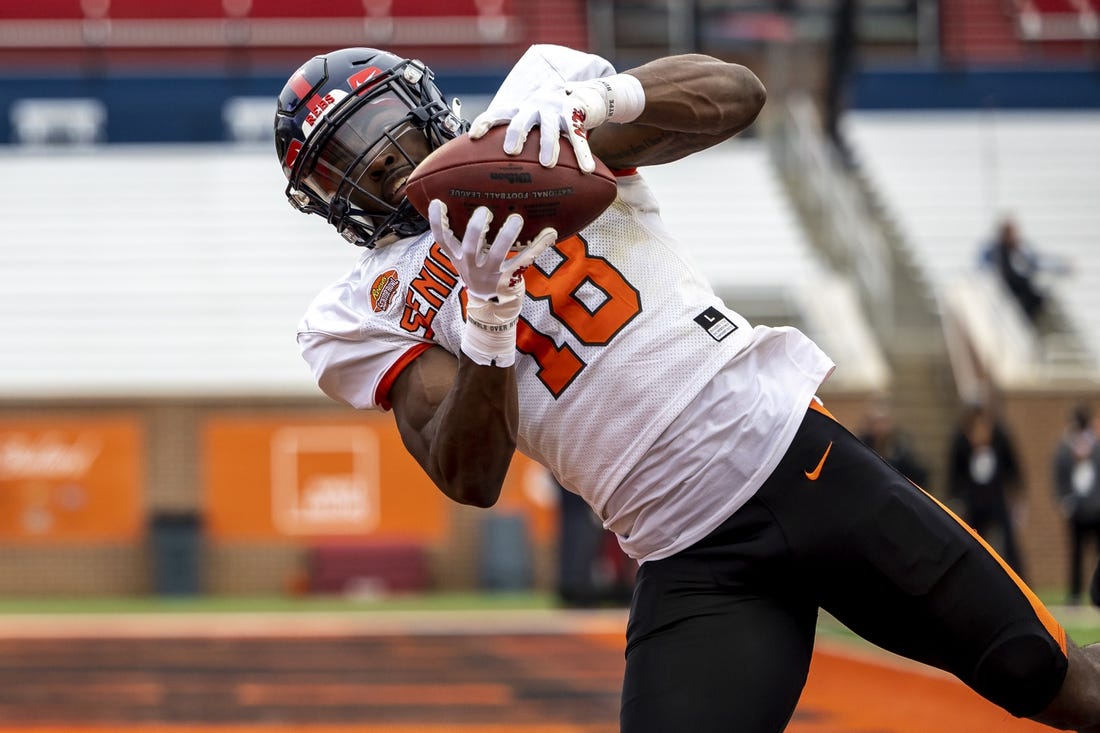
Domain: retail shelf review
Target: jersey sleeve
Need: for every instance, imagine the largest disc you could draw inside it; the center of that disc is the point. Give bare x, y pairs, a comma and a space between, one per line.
354, 357
358, 373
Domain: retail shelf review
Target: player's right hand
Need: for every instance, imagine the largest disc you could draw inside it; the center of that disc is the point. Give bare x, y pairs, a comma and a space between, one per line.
494, 281
486, 268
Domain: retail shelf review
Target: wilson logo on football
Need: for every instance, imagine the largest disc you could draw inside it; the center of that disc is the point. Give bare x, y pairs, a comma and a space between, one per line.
511, 177
383, 291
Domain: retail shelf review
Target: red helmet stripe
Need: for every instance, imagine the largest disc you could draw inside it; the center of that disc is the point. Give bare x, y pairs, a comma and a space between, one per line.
299, 84
292, 153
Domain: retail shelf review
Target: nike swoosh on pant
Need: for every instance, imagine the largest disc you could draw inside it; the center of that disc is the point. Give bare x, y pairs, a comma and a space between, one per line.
812, 475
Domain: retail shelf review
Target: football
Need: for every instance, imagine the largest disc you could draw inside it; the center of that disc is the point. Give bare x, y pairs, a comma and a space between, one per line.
466, 173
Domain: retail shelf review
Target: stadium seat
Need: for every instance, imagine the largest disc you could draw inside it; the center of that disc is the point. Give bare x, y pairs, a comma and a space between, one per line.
367, 567
79, 121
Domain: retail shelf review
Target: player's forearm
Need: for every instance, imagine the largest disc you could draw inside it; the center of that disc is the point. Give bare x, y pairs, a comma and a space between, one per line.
475, 434
699, 94
692, 102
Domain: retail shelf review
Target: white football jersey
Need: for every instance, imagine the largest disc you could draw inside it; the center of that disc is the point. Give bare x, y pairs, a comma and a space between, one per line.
623, 350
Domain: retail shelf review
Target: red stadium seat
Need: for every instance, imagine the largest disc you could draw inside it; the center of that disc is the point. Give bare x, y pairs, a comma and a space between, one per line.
377, 566
42, 10
297, 9
357, 8
1053, 6
431, 8
145, 10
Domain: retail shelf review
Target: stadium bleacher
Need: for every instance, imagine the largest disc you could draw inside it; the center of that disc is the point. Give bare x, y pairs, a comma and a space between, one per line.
730, 206
731, 209
949, 176
132, 292
1058, 20
115, 284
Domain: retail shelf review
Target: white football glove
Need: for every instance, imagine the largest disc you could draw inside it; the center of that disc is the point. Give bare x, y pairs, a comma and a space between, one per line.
494, 281
573, 109
544, 108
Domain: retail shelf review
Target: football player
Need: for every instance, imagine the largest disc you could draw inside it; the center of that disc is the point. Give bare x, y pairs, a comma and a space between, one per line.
696, 437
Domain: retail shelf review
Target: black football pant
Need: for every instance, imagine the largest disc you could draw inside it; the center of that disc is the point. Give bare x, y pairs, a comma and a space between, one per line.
720, 634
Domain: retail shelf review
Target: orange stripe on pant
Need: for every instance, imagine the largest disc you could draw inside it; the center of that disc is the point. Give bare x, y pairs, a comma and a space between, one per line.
1052, 626
1045, 618
818, 406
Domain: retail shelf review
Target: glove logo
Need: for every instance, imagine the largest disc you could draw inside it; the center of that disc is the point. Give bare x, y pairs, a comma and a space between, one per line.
578, 119
383, 290
517, 277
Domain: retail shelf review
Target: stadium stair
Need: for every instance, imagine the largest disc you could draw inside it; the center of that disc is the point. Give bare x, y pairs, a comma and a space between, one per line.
903, 312
1038, 166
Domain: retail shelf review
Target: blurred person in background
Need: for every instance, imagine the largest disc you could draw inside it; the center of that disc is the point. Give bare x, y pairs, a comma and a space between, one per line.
983, 473
592, 568
1020, 267
696, 437
882, 433
1077, 486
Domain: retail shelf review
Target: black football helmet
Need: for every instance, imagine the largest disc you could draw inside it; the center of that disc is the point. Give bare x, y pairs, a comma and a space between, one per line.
350, 127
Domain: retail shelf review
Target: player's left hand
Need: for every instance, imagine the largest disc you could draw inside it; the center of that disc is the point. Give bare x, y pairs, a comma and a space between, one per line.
543, 109
573, 110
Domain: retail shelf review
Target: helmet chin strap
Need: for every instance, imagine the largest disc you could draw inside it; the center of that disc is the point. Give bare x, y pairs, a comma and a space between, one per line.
338, 211
403, 222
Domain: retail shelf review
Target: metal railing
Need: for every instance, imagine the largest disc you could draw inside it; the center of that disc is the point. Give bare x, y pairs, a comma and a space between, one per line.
834, 206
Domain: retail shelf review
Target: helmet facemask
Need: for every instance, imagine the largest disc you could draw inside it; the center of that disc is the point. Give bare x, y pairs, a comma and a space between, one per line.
358, 154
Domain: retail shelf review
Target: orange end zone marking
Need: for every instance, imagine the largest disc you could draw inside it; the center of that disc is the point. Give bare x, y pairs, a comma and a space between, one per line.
850, 688
316, 728
419, 695
853, 690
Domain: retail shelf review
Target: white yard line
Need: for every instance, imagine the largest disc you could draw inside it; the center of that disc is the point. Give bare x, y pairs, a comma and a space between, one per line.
311, 624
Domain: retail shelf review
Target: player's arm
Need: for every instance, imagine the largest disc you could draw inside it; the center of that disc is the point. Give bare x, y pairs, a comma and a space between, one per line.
459, 420
691, 102
655, 113
459, 417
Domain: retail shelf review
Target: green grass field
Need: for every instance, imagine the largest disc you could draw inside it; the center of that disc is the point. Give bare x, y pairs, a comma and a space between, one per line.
277, 604
1082, 623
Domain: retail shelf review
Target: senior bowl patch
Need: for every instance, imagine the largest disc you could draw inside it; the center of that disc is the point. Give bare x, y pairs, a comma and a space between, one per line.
383, 290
